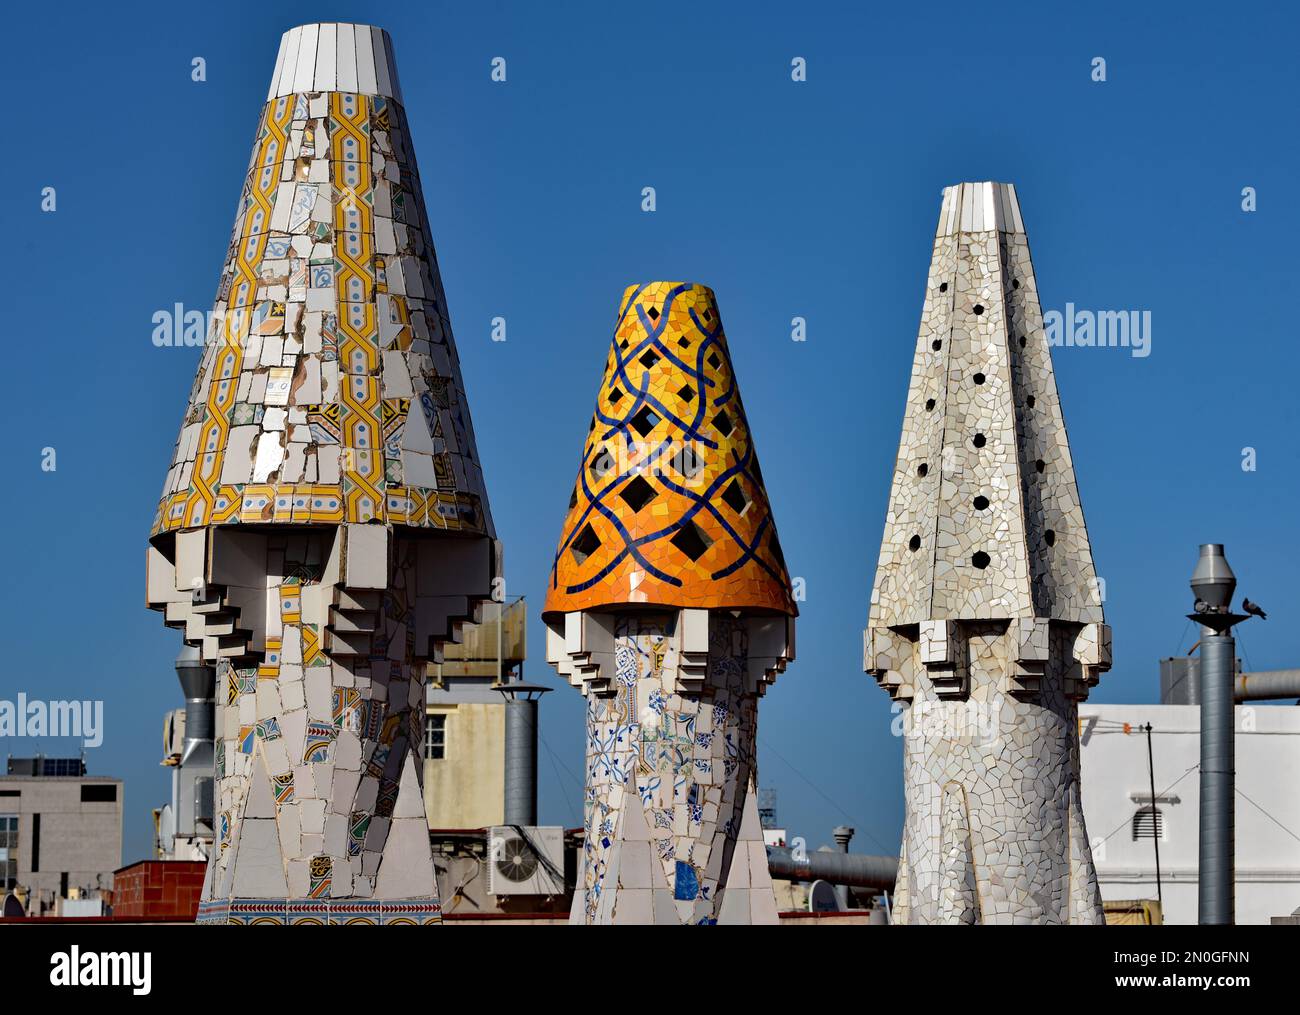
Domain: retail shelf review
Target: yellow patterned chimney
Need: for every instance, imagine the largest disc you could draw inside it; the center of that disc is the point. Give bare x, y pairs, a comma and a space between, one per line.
324, 529
670, 608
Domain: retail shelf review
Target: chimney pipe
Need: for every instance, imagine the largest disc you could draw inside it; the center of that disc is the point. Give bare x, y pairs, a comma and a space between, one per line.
1213, 585
521, 751
198, 684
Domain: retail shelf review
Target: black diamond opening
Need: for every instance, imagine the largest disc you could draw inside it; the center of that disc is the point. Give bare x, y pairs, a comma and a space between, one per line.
653, 314
602, 463
684, 342
573, 497
686, 393
723, 422
649, 358
687, 462
692, 541
714, 361
585, 545
615, 396
644, 421
735, 497
637, 494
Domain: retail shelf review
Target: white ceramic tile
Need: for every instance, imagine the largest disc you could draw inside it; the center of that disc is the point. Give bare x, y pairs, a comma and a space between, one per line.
289, 45
326, 57
346, 65
382, 84
303, 73
366, 82
394, 84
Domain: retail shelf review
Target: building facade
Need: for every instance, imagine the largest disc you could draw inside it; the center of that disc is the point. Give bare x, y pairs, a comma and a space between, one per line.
60, 835
465, 721
1125, 829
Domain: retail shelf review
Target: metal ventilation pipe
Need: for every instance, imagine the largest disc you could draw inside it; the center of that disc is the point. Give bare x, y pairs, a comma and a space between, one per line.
521, 751
1266, 685
1213, 585
192, 804
198, 684
852, 869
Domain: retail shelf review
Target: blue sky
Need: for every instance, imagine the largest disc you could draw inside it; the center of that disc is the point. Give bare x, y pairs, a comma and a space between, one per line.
816, 200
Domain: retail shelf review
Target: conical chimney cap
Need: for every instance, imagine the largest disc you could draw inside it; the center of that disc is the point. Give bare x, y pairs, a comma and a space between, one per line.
669, 507
329, 389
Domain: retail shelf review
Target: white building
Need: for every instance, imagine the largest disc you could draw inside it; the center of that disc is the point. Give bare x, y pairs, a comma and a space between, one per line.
1117, 805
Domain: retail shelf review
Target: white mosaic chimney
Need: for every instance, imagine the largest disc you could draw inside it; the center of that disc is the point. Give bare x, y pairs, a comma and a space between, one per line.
324, 527
986, 618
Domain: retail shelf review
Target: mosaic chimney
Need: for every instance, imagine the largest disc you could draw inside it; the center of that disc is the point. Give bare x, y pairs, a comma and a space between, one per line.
324, 527
986, 617
670, 608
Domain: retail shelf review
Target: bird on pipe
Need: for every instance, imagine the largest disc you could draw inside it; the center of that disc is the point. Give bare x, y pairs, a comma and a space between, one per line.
1253, 609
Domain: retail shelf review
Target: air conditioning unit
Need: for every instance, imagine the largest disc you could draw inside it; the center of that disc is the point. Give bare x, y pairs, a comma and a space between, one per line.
525, 860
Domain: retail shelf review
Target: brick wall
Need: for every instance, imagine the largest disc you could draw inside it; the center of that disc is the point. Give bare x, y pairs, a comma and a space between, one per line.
158, 888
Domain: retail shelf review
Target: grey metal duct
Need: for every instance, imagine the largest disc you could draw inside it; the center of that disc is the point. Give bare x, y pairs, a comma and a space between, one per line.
198, 684
1216, 889
853, 869
521, 762
1213, 585
521, 751
1180, 683
1266, 685
194, 776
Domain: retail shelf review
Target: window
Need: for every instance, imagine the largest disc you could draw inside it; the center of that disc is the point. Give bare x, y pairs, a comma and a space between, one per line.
98, 793
1148, 823
8, 850
435, 736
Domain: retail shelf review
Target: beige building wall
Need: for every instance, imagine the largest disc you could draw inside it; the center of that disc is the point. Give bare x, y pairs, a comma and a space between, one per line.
466, 788
80, 838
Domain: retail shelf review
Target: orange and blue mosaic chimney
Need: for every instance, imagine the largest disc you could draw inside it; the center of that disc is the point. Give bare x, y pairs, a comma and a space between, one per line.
670, 607
324, 528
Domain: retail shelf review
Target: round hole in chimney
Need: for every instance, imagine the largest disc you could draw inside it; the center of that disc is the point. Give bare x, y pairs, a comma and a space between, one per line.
980, 560
914, 543
979, 309
978, 440
1049, 537
1015, 283
1040, 465
978, 378
981, 503
936, 345
922, 469
1030, 401
943, 287
1022, 341
929, 405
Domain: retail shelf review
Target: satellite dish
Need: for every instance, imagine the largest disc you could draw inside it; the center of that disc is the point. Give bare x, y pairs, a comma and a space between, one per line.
822, 898
11, 906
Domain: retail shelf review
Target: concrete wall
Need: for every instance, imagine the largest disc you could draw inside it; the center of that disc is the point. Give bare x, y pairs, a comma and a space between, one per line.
466, 789
1114, 769
83, 840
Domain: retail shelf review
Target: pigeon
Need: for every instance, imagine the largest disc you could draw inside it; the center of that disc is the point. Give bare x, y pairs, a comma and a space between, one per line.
1201, 606
1253, 609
